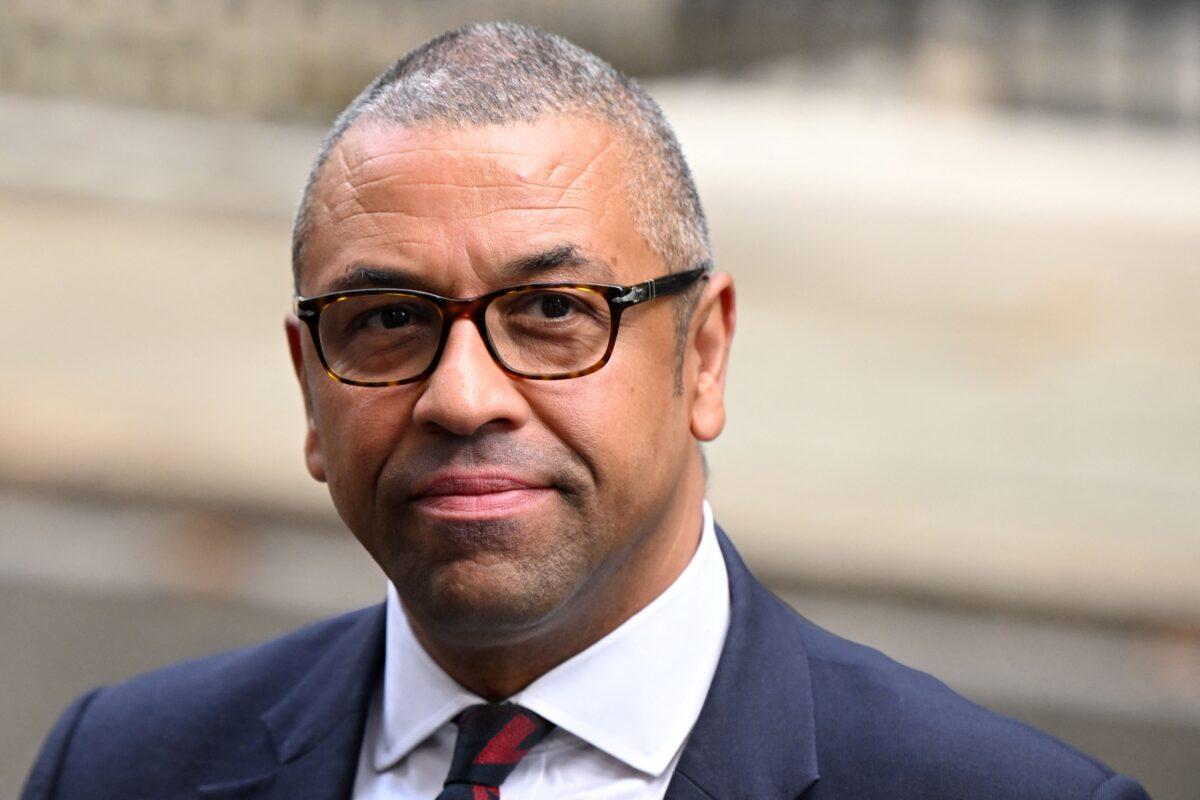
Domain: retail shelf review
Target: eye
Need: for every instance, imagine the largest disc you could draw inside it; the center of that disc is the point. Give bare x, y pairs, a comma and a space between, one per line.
543, 306
558, 311
553, 306
390, 316
394, 317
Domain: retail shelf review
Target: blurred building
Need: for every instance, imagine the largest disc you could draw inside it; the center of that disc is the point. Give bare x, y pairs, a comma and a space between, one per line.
301, 59
964, 409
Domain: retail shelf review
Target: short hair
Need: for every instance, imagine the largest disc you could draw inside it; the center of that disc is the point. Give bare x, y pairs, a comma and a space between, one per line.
504, 72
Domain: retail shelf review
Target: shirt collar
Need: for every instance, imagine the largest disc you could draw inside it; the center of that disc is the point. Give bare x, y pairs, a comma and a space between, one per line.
635, 694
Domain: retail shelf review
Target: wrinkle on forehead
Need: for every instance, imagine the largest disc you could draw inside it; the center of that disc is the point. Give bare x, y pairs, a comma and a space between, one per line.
479, 180
531, 153
459, 186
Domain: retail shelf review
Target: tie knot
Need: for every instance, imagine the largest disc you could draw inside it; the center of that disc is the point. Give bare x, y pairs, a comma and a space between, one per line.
492, 740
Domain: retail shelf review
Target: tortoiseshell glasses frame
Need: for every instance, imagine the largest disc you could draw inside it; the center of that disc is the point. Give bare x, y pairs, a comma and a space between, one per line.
618, 299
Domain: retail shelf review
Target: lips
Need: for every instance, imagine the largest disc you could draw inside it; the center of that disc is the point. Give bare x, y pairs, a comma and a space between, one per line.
483, 494
474, 483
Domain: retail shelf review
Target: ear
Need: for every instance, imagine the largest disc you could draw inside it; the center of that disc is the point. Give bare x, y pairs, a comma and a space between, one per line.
313, 457
713, 324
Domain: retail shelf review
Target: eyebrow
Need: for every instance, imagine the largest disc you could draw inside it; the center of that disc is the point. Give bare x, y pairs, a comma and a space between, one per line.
368, 277
556, 259
566, 258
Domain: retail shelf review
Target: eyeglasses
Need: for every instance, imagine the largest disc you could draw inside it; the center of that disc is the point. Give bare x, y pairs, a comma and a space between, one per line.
537, 331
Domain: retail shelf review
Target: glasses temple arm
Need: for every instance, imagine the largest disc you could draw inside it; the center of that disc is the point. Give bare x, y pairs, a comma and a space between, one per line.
658, 287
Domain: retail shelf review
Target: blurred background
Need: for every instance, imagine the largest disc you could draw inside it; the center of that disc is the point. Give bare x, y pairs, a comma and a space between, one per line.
965, 395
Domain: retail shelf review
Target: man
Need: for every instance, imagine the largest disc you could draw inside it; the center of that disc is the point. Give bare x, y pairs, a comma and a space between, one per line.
510, 344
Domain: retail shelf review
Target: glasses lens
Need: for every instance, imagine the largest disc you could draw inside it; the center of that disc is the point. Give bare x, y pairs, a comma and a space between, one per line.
380, 337
549, 332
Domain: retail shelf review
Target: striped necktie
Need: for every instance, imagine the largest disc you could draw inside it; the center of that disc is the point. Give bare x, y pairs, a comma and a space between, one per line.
492, 739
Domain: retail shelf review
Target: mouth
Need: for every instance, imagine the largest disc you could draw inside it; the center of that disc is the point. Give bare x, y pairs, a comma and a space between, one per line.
478, 495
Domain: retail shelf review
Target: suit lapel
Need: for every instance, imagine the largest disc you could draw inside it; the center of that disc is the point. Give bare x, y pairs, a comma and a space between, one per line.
756, 734
317, 727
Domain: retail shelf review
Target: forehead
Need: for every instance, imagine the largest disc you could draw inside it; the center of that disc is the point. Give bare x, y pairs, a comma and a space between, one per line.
453, 204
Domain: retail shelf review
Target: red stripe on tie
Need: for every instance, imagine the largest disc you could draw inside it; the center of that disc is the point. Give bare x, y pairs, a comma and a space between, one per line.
505, 746
485, 793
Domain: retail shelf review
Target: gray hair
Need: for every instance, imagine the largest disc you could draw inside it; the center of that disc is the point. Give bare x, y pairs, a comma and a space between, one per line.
503, 72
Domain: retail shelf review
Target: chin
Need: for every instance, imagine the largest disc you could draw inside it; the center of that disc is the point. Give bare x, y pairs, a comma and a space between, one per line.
475, 582
482, 601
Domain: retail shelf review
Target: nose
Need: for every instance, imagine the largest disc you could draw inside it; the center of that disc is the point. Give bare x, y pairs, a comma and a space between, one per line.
468, 390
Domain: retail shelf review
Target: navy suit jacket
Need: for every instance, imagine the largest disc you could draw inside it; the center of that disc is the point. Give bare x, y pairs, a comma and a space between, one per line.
793, 711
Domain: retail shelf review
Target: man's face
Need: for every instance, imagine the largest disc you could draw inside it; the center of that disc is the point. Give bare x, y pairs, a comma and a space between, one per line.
496, 504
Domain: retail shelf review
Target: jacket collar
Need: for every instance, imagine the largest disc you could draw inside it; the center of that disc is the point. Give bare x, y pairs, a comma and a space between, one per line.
756, 735
317, 727
338, 686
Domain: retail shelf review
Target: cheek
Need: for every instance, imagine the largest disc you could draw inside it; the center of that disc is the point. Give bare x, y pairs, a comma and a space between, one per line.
613, 422
358, 429
575, 416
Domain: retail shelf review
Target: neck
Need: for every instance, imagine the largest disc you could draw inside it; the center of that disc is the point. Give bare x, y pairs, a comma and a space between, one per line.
497, 671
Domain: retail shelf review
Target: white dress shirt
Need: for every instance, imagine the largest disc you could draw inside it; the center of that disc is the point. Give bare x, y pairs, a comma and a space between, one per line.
624, 706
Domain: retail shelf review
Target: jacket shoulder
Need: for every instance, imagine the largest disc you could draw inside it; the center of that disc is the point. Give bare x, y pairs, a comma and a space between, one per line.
174, 721
248, 679
885, 729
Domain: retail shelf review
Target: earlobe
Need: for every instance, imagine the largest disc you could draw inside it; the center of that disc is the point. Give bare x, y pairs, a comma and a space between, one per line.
313, 458
716, 318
